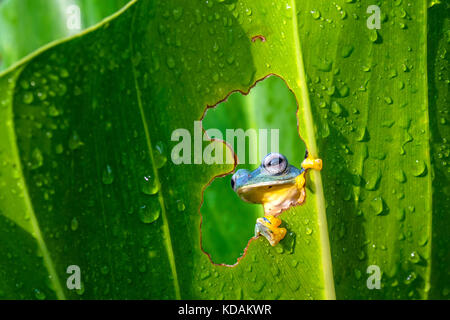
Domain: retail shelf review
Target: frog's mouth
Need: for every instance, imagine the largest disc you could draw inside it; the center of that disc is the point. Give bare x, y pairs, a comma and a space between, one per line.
275, 196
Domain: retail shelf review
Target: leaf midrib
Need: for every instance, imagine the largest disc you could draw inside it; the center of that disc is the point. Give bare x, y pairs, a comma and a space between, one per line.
327, 268
165, 227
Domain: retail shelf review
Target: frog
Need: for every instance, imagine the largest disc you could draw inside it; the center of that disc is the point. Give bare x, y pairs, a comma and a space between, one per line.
277, 185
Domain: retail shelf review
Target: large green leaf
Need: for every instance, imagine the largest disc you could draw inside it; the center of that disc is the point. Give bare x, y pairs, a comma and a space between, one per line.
438, 82
87, 177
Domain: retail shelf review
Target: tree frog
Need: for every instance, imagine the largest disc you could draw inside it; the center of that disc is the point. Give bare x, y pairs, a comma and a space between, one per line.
276, 185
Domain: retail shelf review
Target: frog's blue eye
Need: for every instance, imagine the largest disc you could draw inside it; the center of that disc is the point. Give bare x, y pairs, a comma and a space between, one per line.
275, 163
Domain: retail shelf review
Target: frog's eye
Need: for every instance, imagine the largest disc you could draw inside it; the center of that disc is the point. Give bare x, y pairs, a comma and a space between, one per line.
275, 163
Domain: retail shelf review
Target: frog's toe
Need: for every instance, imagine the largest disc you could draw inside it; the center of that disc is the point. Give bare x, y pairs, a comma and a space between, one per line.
311, 163
283, 232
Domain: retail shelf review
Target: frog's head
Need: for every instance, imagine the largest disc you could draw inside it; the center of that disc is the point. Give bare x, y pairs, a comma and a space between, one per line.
275, 184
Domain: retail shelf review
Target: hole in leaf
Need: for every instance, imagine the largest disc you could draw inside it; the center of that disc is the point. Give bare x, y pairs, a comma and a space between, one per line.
265, 115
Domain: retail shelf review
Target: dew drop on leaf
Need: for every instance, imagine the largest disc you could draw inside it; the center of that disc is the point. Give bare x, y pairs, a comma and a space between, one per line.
104, 270
377, 205
373, 180
149, 185
336, 108
28, 98
39, 294
414, 257
400, 176
75, 141
149, 214
315, 14
180, 206
159, 155
107, 176
74, 224
347, 51
410, 278
171, 62
37, 159
388, 100
418, 168
373, 36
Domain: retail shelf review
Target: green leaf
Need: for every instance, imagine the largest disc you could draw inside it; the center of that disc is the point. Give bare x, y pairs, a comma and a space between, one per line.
87, 177
27, 25
438, 82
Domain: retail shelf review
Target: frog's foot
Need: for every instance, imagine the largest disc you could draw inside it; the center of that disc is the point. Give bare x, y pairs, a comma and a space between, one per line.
268, 227
311, 163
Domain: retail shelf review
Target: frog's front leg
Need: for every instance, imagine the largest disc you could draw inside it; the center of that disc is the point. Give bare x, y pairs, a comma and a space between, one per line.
312, 163
268, 227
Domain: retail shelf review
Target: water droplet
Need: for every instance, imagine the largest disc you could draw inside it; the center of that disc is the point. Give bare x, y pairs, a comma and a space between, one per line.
347, 51
74, 224
315, 14
159, 155
400, 176
373, 181
364, 135
336, 108
37, 159
373, 36
42, 95
361, 255
388, 100
410, 278
149, 185
107, 176
344, 91
59, 149
104, 270
53, 111
177, 13
423, 240
64, 73
230, 59
216, 47
392, 74
205, 275
324, 65
28, 98
414, 257
39, 294
149, 214
198, 16
180, 206
418, 168
170, 62
377, 205
74, 141
401, 215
